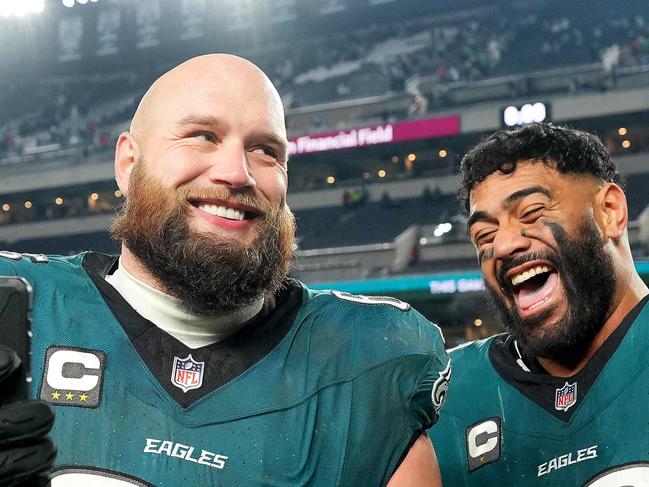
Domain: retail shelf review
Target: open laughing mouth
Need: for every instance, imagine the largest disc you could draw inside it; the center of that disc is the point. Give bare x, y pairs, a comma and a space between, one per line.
534, 286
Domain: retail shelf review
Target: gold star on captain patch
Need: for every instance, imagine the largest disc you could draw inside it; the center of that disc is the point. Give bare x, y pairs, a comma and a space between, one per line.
69, 396
83, 397
56, 395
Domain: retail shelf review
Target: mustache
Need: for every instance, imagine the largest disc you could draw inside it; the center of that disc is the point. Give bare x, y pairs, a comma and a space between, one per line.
513, 262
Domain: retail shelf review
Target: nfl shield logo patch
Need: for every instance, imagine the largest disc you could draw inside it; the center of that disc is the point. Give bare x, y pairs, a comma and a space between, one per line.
565, 397
187, 373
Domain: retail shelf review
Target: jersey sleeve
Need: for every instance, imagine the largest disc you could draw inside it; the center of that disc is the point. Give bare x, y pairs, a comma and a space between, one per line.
407, 347
430, 391
430, 388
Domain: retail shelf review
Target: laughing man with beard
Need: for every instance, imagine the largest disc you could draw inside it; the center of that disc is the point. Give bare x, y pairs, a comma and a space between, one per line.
192, 359
561, 399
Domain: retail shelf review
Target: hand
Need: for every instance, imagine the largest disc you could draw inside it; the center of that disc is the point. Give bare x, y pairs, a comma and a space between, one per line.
26, 453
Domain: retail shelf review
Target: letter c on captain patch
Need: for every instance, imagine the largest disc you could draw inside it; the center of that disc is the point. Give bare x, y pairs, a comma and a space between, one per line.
483, 443
72, 377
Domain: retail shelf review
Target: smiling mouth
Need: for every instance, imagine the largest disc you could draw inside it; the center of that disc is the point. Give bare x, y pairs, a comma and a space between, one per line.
223, 210
533, 287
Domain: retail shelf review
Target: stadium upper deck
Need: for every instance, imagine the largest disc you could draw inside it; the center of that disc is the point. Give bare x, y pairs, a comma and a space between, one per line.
99, 63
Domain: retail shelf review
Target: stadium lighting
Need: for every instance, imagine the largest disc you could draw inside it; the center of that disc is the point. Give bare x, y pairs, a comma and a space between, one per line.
442, 228
477, 322
443, 153
68, 3
6, 207
382, 173
21, 8
82, 2
331, 179
37, 6
58, 201
412, 157
626, 144
622, 131
118, 193
94, 196
395, 159
513, 116
28, 204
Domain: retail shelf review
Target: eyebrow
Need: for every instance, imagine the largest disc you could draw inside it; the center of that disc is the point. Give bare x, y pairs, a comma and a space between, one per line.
522, 193
476, 217
203, 119
208, 120
512, 199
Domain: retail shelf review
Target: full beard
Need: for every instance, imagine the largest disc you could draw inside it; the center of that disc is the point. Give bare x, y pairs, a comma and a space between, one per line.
588, 278
210, 274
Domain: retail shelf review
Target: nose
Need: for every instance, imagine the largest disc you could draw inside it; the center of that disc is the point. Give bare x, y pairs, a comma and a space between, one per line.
509, 241
231, 168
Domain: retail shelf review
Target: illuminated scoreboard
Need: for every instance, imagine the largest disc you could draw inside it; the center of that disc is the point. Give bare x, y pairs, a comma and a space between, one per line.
517, 115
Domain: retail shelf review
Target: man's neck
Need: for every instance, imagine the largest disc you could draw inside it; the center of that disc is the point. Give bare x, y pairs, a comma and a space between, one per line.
138, 270
634, 290
150, 299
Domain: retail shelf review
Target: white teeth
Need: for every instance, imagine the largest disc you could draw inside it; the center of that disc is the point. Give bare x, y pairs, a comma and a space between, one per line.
222, 211
528, 274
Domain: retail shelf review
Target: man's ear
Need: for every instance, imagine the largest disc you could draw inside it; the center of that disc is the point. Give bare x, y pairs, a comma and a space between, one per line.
127, 153
613, 210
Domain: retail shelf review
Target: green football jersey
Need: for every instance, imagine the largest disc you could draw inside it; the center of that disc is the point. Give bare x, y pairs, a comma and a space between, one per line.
322, 389
506, 423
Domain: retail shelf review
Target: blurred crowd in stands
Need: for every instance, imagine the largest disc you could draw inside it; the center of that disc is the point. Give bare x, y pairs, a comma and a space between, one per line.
64, 112
47, 114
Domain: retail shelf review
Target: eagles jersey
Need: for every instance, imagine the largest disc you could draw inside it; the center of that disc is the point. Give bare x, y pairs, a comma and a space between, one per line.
321, 389
506, 422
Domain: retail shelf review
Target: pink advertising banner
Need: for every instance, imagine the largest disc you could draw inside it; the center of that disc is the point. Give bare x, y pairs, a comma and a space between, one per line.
375, 134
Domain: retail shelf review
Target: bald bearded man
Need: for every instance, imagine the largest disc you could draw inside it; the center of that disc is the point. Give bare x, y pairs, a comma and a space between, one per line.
192, 359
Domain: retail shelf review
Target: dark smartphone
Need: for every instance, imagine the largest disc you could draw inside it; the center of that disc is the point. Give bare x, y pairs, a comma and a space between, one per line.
15, 333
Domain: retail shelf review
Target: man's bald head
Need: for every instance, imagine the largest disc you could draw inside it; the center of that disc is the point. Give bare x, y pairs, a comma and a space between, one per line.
210, 72
208, 135
221, 99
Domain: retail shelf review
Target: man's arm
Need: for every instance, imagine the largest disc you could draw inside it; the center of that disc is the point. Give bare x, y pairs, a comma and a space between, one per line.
419, 468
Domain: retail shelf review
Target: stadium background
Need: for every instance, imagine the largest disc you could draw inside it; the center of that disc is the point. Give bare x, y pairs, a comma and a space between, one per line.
383, 97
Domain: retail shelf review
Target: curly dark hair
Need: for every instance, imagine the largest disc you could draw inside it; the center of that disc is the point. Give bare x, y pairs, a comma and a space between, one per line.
566, 149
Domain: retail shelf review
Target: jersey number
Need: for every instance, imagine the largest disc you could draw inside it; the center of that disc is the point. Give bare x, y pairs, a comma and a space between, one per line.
632, 474
85, 477
371, 300
35, 258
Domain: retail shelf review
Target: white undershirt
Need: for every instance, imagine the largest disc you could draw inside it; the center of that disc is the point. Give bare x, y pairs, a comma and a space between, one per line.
194, 331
